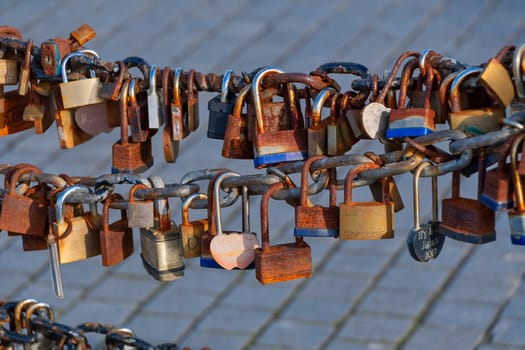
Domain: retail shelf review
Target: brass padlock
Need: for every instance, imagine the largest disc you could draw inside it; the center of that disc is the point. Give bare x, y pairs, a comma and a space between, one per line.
317, 221
365, 220
116, 239
496, 78
191, 231
21, 214
474, 121
129, 157
282, 262
466, 219
140, 213
161, 245
286, 144
516, 215
232, 249
236, 144
78, 238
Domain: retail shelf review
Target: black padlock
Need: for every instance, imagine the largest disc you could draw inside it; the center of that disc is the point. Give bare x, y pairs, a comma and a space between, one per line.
220, 107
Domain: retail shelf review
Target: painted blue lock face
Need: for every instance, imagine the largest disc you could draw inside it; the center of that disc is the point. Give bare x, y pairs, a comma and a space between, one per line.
273, 159
397, 133
494, 204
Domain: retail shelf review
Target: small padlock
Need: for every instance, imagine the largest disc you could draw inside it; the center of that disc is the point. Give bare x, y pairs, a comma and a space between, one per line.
170, 147
220, 107
474, 121
52, 52
140, 213
283, 145
498, 192
343, 126
282, 262
78, 238
365, 220
236, 144
193, 119
233, 249
466, 219
317, 131
116, 239
424, 241
496, 78
137, 118
155, 112
161, 245
179, 109
191, 231
516, 215
21, 214
317, 221
129, 157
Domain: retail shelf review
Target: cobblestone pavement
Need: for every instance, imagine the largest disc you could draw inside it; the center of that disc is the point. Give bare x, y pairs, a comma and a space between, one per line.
363, 294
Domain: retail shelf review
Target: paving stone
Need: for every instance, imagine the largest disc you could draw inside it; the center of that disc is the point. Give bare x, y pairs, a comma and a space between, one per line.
188, 302
315, 309
474, 290
342, 287
431, 337
516, 306
158, 328
215, 340
374, 328
341, 344
406, 302
455, 314
123, 289
509, 331
249, 294
293, 335
233, 319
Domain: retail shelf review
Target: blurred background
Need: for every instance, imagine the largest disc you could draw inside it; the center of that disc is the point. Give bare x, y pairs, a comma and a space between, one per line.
363, 294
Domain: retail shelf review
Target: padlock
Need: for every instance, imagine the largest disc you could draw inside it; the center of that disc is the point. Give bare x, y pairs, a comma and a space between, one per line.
179, 109
170, 147
79, 92
272, 148
282, 262
8, 66
116, 239
78, 238
191, 231
233, 249
161, 245
129, 157
193, 119
140, 213
412, 121
111, 86
155, 112
25, 70
424, 241
12, 106
466, 219
496, 78
317, 221
517, 75
43, 340
342, 124
497, 193
236, 144
21, 214
220, 107
317, 130
474, 121
52, 52
376, 188
36, 110
137, 119
206, 257
516, 215
365, 220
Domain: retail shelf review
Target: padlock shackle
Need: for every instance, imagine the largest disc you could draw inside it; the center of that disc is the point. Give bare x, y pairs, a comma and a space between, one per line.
388, 84
27, 168
319, 102
152, 79
31, 310
123, 108
516, 178
161, 205
304, 179
132, 90
426, 55
225, 85
105, 213
257, 79
216, 195
455, 102
417, 175
64, 63
265, 236
176, 87
239, 102
350, 178
61, 200
517, 71
19, 309
186, 204
134, 189
406, 76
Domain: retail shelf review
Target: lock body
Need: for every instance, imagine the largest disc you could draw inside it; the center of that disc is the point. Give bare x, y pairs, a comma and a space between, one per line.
132, 158
283, 262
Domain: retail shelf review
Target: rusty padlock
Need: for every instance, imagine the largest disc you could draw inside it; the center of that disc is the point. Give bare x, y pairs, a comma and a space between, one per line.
191, 231
236, 144
140, 213
116, 239
282, 262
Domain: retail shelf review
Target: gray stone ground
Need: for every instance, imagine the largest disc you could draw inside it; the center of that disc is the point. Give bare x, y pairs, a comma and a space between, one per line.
364, 294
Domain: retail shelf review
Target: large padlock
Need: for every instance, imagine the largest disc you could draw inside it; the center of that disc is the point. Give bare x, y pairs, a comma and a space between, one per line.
474, 121
317, 221
129, 157
516, 215
317, 131
116, 239
233, 249
22, 214
140, 213
496, 78
191, 231
280, 146
466, 219
282, 262
78, 238
497, 193
220, 107
236, 144
161, 245
412, 121
365, 220
425, 241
